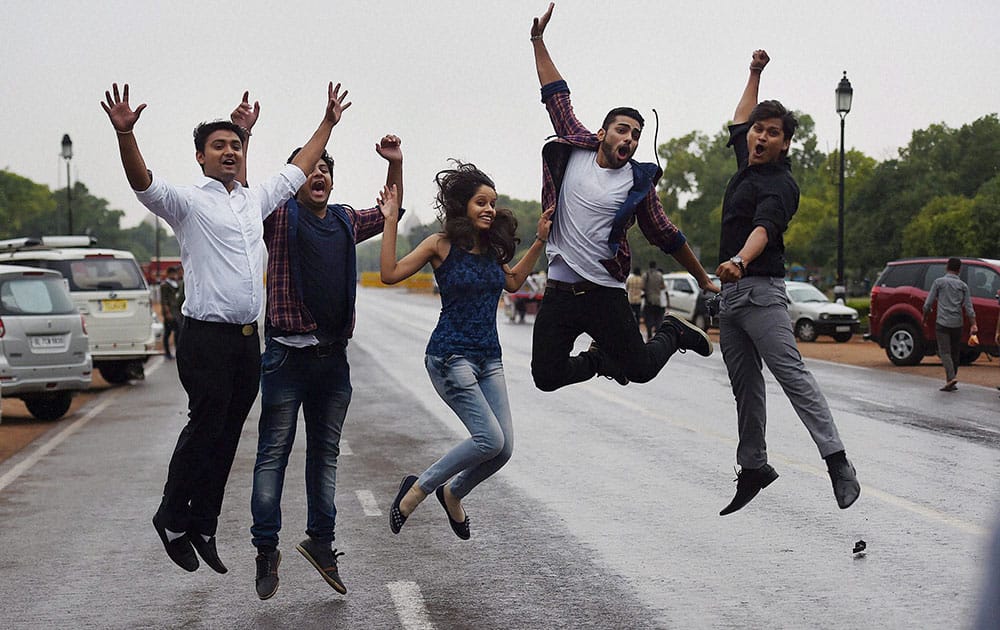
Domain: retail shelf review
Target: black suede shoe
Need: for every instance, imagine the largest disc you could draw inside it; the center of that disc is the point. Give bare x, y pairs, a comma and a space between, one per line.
604, 365
206, 549
396, 518
749, 481
179, 549
325, 560
689, 336
267, 573
845, 482
461, 528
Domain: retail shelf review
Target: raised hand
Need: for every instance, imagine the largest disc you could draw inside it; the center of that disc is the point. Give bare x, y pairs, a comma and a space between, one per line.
335, 105
244, 115
389, 148
759, 60
545, 224
539, 23
121, 114
387, 202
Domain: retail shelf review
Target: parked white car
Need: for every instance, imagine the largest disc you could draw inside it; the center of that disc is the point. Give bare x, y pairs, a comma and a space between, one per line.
44, 354
687, 300
813, 314
108, 288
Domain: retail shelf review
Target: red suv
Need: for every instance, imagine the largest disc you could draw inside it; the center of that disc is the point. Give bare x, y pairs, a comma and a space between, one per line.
897, 302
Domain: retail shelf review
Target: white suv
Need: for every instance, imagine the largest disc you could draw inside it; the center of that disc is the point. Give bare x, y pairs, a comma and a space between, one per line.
687, 299
108, 288
44, 358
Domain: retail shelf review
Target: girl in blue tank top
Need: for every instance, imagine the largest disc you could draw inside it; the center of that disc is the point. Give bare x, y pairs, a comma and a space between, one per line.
470, 258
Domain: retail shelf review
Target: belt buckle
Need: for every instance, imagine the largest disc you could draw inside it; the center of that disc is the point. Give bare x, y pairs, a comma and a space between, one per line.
247, 330
575, 291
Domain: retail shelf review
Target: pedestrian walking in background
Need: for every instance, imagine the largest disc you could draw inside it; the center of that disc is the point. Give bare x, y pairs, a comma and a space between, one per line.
311, 291
171, 299
219, 226
754, 327
953, 300
653, 294
470, 259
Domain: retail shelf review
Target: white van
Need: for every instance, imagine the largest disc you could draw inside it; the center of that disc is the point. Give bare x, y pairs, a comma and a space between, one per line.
44, 358
108, 288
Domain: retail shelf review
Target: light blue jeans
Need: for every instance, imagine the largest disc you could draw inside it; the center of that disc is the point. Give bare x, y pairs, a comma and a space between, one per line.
476, 391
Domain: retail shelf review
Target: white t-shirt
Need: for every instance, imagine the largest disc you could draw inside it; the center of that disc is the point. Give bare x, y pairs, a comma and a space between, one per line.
588, 200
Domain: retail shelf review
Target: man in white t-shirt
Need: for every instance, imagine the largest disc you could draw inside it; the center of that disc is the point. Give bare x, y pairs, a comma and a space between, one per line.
598, 192
219, 225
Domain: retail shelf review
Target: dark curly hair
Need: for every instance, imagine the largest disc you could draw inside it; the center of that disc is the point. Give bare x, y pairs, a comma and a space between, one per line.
456, 187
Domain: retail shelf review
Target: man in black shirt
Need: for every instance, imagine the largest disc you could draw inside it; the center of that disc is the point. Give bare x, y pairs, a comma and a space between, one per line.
760, 201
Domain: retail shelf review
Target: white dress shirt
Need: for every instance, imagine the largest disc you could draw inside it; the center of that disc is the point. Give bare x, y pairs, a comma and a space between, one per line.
221, 235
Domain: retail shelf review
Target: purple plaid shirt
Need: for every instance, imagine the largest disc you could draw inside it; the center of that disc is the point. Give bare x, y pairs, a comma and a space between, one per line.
642, 204
285, 309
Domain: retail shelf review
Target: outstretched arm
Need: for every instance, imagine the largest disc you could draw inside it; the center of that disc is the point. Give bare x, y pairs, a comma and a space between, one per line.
245, 116
390, 149
547, 72
391, 270
520, 272
749, 99
123, 119
313, 150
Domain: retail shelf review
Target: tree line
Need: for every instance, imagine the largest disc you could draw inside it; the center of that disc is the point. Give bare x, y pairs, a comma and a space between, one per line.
939, 197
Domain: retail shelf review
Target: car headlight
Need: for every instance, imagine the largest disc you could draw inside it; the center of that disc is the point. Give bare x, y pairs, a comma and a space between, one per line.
824, 316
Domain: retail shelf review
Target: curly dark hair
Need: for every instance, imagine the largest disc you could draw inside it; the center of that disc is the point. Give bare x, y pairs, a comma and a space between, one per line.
456, 187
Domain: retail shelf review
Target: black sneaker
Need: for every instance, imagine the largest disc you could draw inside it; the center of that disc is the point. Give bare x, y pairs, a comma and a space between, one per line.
206, 549
845, 482
688, 336
605, 366
749, 482
267, 573
179, 549
325, 560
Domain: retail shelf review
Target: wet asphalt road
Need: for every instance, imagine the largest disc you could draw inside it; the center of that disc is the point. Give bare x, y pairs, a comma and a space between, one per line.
606, 517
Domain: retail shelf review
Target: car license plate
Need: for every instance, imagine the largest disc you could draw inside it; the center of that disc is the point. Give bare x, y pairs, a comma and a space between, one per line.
42, 342
110, 306
843, 329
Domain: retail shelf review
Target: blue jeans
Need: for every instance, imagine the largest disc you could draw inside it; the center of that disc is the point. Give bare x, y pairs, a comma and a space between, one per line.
476, 391
318, 379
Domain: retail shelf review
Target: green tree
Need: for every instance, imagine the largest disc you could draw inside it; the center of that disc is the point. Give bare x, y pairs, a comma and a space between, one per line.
23, 205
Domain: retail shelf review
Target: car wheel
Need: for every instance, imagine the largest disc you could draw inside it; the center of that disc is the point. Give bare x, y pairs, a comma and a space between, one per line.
115, 372
49, 406
701, 321
842, 337
805, 330
968, 356
905, 345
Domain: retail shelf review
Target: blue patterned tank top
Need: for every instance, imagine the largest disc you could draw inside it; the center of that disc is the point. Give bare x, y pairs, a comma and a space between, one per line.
470, 287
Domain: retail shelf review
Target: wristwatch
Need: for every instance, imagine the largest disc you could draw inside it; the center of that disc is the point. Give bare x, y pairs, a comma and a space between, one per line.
738, 261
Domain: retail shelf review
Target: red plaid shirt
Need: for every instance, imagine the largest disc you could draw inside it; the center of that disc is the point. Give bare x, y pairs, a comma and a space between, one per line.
285, 309
642, 204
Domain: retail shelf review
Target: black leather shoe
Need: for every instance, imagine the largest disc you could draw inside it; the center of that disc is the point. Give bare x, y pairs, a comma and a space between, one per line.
324, 560
267, 573
605, 366
845, 482
179, 549
749, 481
396, 518
206, 549
461, 528
688, 336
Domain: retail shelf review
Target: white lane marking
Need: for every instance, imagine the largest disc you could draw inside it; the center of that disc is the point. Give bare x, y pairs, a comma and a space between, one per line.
11, 475
368, 502
872, 402
410, 605
345, 448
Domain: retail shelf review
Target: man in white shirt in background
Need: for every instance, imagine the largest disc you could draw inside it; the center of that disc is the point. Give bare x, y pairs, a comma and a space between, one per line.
219, 225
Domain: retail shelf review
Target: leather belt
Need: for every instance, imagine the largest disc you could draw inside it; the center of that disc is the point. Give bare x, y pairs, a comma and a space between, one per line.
576, 288
244, 330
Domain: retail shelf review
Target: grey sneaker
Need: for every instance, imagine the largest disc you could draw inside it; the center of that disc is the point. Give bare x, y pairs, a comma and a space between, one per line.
689, 336
325, 560
267, 573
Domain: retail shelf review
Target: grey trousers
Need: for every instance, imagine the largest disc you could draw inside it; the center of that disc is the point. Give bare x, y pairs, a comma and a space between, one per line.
754, 327
948, 340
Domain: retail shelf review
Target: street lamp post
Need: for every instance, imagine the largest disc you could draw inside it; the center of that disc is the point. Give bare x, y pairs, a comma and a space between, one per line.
67, 154
845, 93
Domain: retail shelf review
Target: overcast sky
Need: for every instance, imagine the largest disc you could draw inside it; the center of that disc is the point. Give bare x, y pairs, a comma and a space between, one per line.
457, 78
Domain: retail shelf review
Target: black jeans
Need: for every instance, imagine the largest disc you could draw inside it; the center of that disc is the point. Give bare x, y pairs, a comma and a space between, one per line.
219, 368
604, 314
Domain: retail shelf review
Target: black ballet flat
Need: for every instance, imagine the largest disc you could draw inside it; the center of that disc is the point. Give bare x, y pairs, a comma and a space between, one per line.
461, 528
